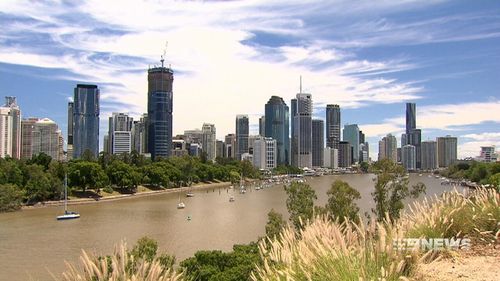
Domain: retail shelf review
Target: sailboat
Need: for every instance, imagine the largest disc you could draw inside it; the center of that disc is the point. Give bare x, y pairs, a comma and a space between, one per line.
181, 204
68, 215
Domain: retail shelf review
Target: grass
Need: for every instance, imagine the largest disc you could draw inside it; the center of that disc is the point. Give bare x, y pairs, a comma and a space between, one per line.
117, 267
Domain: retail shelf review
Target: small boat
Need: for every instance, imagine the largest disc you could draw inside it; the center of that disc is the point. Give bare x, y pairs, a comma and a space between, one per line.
231, 199
181, 204
188, 218
68, 215
190, 194
419, 175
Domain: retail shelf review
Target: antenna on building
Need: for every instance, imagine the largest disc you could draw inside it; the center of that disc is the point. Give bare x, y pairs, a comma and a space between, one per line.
164, 52
301, 84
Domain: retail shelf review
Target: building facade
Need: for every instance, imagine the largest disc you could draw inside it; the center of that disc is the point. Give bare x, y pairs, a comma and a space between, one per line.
318, 143
264, 155
332, 125
408, 157
345, 154
120, 133
331, 158
10, 129
242, 133
230, 145
262, 126
351, 135
447, 151
388, 148
209, 140
27, 126
429, 155
160, 109
85, 120
47, 139
301, 148
277, 127
487, 154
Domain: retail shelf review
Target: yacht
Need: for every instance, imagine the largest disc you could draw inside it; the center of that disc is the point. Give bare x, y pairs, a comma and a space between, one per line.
68, 215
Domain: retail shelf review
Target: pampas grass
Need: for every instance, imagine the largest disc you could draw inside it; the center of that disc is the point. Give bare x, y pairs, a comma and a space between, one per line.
121, 266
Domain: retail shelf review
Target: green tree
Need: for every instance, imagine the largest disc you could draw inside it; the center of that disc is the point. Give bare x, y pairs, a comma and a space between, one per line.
10, 197
85, 175
275, 224
364, 167
300, 203
391, 188
41, 159
10, 172
88, 156
156, 173
495, 181
342, 202
217, 265
38, 187
122, 174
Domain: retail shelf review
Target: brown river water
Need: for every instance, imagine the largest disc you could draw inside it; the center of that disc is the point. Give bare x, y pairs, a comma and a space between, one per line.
33, 243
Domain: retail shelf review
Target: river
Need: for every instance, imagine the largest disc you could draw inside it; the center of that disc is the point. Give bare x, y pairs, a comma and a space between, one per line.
33, 242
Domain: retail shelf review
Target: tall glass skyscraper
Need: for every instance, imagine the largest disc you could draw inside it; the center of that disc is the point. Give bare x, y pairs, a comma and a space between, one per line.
332, 125
160, 99
242, 131
351, 135
277, 127
411, 121
85, 120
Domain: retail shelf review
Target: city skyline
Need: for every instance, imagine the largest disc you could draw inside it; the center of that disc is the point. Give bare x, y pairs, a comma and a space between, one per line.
385, 61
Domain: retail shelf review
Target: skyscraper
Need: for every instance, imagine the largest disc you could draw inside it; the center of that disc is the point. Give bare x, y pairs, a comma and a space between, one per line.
429, 155
277, 127
69, 152
318, 142
209, 140
408, 155
387, 148
345, 154
351, 135
447, 151
411, 121
230, 145
120, 133
302, 108
47, 139
242, 131
264, 153
85, 120
138, 133
262, 126
27, 137
332, 125
160, 99
10, 129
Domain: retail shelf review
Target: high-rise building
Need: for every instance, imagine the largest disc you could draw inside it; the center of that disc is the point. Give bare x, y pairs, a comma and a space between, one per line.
277, 127
264, 153
351, 135
85, 120
10, 129
345, 154
487, 154
69, 148
332, 125
429, 155
411, 121
318, 142
220, 150
47, 139
387, 148
230, 145
364, 152
179, 148
262, 126
331, 158
301, 149
447, 151
194, 136
106, 146
120, 133
242, 132
138, 132
208, 142
27, 126
160, 105
408, 157
415, 138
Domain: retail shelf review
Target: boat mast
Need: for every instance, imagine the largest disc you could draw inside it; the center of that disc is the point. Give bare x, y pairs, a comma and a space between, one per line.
65, 193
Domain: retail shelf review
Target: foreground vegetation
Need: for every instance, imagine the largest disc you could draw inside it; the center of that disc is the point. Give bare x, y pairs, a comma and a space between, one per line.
40, 178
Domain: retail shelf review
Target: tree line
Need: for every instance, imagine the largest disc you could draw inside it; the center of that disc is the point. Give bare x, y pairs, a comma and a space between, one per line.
42, 178
479, 172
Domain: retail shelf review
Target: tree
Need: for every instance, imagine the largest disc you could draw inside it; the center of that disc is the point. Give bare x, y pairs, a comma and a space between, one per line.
87, 175
300, 203
495, 181
38, 187
342, 202
122, 174
275, 224
41, 159
10, 197
364, 167
156, 173
88, 156
391, 188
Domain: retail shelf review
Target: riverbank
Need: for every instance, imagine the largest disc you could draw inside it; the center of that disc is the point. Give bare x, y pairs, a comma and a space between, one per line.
111, 198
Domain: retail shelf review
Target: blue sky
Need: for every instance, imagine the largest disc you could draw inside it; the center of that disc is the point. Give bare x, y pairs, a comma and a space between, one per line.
229, 57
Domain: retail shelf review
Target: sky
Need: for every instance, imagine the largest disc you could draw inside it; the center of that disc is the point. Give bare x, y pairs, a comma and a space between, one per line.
230, 57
